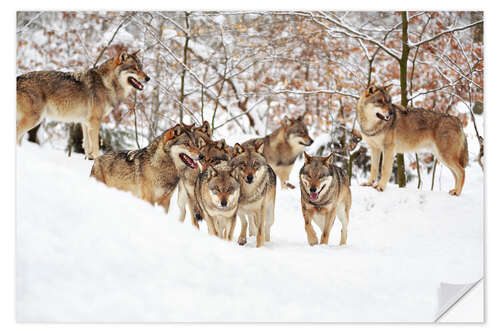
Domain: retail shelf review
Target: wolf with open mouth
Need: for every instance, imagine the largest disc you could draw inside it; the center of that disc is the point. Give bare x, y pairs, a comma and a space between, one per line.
390, 128
325, 194
85, 96
151, 173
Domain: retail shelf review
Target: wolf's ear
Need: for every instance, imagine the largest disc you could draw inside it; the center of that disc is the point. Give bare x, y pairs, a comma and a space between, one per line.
177, 130
260, 147
205, 127
171, 133
235, 173
371, 89
221, 144
286, 121
238, 149
211, 172
188, 127
308, 158
330, 159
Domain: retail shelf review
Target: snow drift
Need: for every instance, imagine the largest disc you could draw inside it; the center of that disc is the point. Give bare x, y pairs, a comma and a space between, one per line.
86, 252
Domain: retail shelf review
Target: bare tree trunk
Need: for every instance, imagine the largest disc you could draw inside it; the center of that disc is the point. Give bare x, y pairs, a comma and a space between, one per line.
184, 60
403, 70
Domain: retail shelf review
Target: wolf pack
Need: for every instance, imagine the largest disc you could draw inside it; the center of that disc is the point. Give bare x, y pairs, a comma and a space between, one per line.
217, 182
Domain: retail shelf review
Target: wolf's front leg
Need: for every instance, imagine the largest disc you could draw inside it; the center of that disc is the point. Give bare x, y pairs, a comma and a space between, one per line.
375, 161
242, 240
311, 235
386, 169
329, 221
93, 133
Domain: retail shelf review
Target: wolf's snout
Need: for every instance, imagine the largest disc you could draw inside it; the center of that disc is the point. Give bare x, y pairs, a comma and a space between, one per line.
147, 78
201, 157
223, 203
313, 189
249, 179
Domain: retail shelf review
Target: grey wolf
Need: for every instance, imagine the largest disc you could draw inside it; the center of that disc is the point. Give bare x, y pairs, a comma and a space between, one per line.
257, 194
85, 97
217, 192
324, 193
388, 128
213, 152
283, 146
151, 173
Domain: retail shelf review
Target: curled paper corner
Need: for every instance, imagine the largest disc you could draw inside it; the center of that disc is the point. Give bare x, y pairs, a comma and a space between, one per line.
449, 294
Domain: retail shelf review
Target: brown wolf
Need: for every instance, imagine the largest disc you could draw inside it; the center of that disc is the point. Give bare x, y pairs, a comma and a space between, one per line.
217, 191
188, 178
150, 173
257, 194
283, 146
325, 193
85, 97
388, 128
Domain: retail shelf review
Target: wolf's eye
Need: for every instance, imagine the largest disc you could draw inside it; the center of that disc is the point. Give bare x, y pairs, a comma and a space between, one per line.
217, 189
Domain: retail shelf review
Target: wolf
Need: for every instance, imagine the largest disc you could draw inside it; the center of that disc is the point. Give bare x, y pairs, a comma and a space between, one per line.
283, 146
257, 194
388, 128
85, 97
324, 194
151, 173
213, 152
217, 192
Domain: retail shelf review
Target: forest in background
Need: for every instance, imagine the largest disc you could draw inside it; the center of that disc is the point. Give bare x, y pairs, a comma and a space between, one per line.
244, 71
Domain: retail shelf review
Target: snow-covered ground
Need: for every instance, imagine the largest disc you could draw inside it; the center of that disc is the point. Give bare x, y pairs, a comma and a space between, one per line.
86, 252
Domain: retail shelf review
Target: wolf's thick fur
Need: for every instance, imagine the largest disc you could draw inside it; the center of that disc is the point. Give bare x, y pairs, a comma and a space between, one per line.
388, 128
325, 193
258, 192
217, 191
202, 136
283, 146
151, 173
85, 97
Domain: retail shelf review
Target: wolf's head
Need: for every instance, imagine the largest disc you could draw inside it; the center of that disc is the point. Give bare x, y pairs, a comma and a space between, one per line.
296, 132
377, 102
249, 161
128, 68
217, 151
182, 146
223, 186
316, 175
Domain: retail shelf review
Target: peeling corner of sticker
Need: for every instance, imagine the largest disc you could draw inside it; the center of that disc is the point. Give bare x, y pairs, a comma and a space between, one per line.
449, 294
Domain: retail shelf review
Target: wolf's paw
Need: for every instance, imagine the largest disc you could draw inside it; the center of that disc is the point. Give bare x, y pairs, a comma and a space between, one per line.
367, 184
379, 187
288, 185
242, 241
313, 241
454, 192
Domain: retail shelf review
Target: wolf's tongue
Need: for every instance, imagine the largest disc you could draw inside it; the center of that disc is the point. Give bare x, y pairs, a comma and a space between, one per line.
314, 196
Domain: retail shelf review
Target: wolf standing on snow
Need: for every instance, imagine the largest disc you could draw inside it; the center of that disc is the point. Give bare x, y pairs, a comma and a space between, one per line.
325, 193
388, 128
86, 97
283, 146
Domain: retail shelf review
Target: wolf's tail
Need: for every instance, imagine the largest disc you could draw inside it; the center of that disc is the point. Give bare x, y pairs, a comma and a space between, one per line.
464, 154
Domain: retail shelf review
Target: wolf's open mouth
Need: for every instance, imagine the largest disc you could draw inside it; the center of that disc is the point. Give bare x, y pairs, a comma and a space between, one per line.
134, 83
315, 195
382, 117
188, 161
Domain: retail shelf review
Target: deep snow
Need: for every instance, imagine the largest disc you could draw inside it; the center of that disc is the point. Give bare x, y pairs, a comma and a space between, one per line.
85, 252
